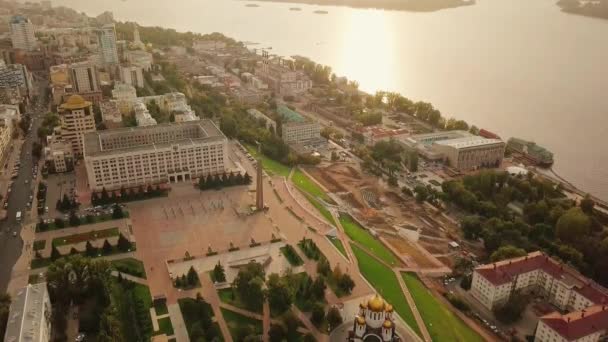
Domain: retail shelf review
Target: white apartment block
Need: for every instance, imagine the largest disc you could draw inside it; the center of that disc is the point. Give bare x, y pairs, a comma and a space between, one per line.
130, 157
110, 113
140, 58
493, 284
77, 118
58, 155
22, 33
84, 78
301, 132
282, 79
106, 40
132, 75
30, 315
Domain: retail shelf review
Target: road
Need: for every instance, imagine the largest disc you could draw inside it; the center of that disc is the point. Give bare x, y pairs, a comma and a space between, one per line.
10, 246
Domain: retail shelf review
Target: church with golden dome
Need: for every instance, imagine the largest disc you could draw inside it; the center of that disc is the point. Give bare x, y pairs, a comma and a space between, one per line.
374, 323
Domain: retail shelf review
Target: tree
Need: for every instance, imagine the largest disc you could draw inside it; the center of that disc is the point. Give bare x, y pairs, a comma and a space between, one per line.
346, 284
507, 252
105, 198
512, 309
107, 248
219, 274
124, 245
466, 281
248, 284
74, 220
334, 318
276, 333
192, 276
55, 254
90, 251
278, 293
5, 302
471, 226
587, 205
117, 212
421, 192
323, 266
59, 223
317, 289
572, 225
318, 314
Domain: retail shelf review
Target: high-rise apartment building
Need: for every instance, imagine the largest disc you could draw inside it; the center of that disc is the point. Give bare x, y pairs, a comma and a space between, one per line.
29, 318
22, 33
77, 118
106, 40
83, 77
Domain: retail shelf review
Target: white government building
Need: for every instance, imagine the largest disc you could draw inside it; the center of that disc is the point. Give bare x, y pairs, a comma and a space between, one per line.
129, 157
22, 33
560, 285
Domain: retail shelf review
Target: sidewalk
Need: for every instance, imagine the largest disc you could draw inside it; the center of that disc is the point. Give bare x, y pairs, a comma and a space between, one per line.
179, 326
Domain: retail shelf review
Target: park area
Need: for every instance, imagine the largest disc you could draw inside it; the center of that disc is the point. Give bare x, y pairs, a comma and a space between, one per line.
442, 324
384, 280
365, 239
313, 193
271, 166
83, 237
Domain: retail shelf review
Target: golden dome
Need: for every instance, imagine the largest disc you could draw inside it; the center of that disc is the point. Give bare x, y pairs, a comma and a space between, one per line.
363, 305
376, 304
360, 320
387, 324
389, 308
75, 102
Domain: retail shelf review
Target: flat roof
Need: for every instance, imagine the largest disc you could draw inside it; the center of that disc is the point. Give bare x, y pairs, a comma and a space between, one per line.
465, 142
26, 313
208, 131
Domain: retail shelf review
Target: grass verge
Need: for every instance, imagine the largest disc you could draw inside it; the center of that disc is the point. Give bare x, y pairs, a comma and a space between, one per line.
271, 166
363, 237
130, 266
384, 280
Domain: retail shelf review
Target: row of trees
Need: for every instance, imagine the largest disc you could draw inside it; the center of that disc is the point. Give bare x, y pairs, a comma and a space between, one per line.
548, 220
105, 197
188, 280
223, 180
74, 220
123, 245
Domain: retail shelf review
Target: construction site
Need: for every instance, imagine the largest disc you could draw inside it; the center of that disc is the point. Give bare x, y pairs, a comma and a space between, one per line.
424, 236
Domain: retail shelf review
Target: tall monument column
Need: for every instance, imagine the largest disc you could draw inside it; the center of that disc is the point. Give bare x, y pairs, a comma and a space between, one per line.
259, 190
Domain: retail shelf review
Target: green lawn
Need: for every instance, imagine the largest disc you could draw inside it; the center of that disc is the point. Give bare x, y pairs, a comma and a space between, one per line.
165, 326
235, 320
160, 307
442, 324
304, 183
226, 296
338, 243
82, 237
271, 166
320, 207
360, 235
130, 266
142, 292
383, 279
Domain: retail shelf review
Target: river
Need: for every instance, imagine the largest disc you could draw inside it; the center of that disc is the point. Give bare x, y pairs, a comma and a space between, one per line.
516, 67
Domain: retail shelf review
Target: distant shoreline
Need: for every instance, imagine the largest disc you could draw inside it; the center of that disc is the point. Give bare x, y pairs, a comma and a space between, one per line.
395, 5
591, 9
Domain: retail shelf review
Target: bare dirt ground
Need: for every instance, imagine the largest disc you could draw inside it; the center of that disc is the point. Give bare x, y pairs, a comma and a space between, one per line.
407, 248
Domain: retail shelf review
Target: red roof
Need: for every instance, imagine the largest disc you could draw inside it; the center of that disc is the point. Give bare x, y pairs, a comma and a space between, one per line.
578, 324
505, 271
487, 134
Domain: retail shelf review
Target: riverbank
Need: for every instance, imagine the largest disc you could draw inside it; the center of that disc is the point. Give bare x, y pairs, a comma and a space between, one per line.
392, 5
595, 9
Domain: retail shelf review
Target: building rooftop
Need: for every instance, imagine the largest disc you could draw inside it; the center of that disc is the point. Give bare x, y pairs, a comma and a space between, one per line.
505, 271
25, 315
190, 132
75, 102
579, 324
472, 141
289, 115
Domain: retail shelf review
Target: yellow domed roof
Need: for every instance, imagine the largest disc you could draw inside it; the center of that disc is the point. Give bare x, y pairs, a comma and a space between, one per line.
360, 320
389, 308
387, 324
363, 305
376, 303
75, 102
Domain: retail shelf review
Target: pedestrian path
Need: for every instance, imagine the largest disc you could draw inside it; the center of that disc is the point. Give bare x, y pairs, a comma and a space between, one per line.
179, 326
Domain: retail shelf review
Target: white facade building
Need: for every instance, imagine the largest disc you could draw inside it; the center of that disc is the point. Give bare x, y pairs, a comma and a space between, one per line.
473, 152
106, 40
301, 132
140, 58
131, 157
142, 115
22, 33
261, 116
132, 75
9, 115
493, 284
374, 322
30, 315
77, 118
